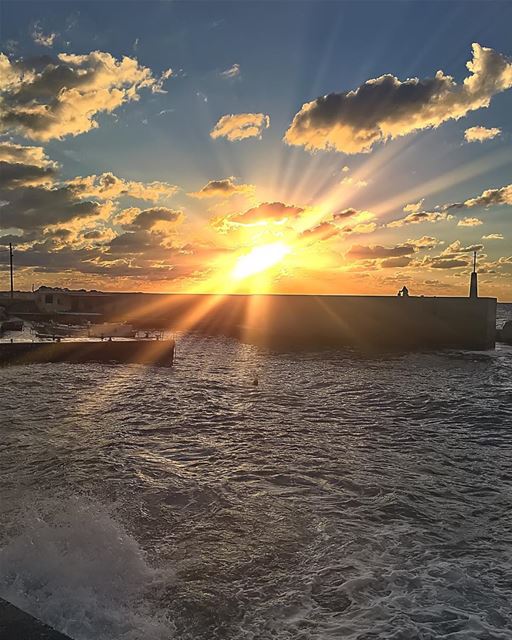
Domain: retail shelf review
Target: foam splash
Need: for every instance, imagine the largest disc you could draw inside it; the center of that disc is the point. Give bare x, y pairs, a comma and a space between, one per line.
72, 565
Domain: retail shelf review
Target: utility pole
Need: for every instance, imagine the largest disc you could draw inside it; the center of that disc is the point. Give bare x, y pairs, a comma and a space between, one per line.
11, 270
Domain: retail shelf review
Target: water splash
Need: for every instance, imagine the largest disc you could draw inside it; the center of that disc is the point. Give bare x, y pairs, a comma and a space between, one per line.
72, 565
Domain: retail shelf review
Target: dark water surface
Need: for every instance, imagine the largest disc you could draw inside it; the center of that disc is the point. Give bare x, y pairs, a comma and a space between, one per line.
345, 496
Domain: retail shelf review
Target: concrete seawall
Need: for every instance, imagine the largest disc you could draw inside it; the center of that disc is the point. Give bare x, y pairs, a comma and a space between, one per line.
157, 352
18, 625
304, 321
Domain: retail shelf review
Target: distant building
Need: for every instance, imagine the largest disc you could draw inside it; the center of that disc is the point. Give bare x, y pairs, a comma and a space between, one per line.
57, 300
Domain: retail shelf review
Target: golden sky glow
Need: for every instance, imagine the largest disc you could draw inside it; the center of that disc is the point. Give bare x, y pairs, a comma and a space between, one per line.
238, 175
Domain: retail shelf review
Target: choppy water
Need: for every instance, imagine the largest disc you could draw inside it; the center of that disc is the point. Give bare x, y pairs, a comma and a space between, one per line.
344, 497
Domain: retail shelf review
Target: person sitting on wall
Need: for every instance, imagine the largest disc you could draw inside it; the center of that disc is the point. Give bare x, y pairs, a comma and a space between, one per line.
404, 292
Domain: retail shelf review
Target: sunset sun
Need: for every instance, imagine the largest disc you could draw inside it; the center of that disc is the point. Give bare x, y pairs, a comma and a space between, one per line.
259, 259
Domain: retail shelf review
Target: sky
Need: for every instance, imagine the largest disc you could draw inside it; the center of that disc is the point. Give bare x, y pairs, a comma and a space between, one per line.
257, 146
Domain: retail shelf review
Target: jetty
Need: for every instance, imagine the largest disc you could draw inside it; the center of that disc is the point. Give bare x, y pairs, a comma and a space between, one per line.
149, 352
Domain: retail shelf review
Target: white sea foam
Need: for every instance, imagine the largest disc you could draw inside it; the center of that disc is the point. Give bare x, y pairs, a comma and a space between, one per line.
72, 565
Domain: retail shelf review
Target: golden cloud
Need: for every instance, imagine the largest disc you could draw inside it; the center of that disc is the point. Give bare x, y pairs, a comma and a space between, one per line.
44, 98
107, 185
240, 126
224, 188
480, 134
22, 154
385, 108
413, 207
419, 217
469, 222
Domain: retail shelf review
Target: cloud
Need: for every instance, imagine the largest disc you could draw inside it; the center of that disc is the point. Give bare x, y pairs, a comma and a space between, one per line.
419, 217
425, 242
232, 72
414, 207
352, 182
320, 232
135, 219
493, 236
44, 98
267, 212
32, 199
480, 134
361, 252
136, 242
385, 108
23, 165
396, 263
129, 262
96, 234
222, 188
458, 247
107, 185
455, 256
489, 197
17, 153
440, 262
240, 126
43, 39
327, 229
18, 174
35, 207
469, 222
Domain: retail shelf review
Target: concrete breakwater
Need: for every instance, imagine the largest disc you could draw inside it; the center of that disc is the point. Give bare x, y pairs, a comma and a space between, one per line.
303, 321
299, 321
157, 352
18, 625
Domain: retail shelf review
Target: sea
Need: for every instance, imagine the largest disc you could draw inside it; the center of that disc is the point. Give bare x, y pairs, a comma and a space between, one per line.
245, 494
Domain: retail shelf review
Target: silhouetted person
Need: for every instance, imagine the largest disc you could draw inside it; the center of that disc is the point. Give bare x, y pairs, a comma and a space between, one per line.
404, 292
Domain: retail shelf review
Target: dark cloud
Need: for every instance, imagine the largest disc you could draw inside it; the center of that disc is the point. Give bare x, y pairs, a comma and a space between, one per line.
361, 252
420, 216
149, 218
396, 263
441, 262
135, 242
39, 206
344, 213
385, 107
17, 174
48, 257
94, 234
222, 188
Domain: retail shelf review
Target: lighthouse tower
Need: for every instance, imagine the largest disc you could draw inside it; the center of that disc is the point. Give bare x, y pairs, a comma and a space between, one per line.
473, 287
